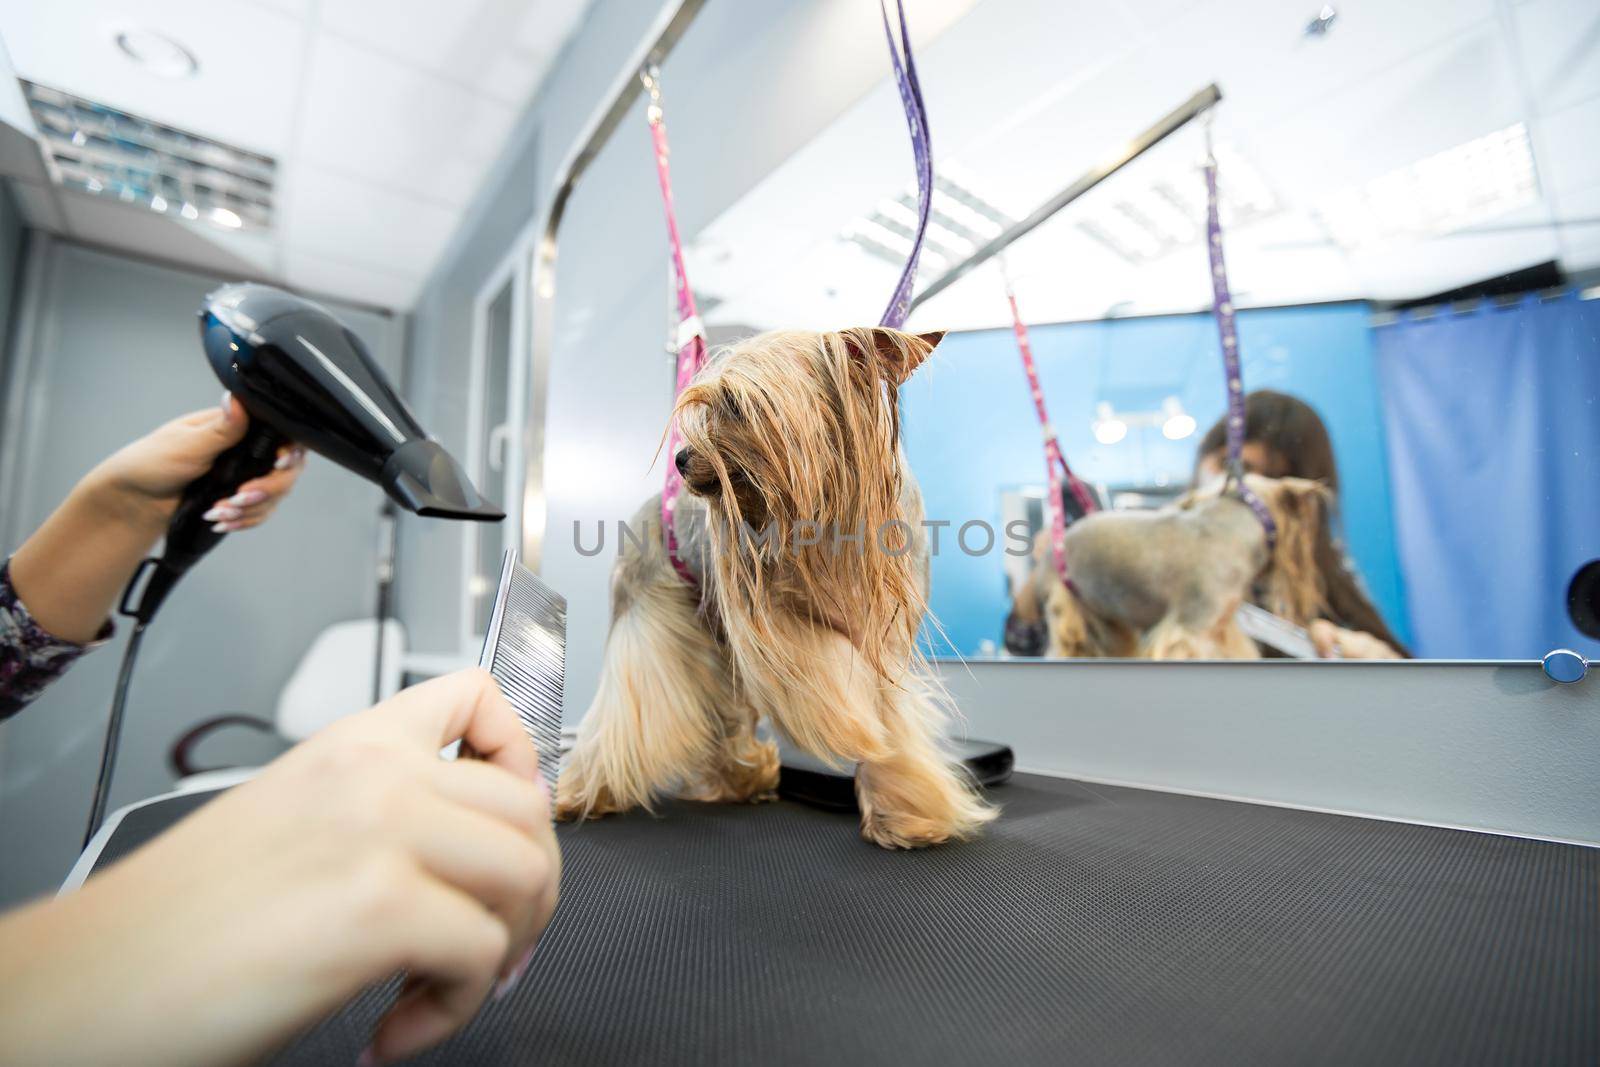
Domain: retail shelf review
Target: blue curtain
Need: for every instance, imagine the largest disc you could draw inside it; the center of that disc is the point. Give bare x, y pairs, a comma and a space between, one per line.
1492, 422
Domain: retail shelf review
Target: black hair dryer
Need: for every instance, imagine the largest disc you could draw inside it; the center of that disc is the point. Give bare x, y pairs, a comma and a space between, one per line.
302, 376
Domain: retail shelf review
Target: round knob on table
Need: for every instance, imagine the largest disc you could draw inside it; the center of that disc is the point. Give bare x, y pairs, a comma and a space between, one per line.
1565, 665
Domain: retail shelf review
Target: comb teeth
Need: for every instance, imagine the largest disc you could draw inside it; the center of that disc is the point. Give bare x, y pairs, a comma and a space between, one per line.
526, 651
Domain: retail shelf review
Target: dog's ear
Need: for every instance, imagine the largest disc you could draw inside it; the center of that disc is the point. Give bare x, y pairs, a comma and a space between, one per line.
894, 354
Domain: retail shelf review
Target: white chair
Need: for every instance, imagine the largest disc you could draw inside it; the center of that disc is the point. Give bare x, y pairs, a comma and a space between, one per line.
333, 679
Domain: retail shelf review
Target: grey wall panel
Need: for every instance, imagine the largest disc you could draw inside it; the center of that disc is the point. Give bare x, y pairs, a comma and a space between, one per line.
1493, 746
12, 236
116, 353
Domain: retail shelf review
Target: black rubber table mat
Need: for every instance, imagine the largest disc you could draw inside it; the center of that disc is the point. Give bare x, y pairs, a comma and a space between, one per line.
141, 824
1092, 925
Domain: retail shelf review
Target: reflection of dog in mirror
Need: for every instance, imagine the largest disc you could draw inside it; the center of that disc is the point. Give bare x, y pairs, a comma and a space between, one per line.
1166, 584
804, 529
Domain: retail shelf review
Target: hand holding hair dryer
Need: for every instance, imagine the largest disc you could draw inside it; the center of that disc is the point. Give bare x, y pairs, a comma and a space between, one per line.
304, 377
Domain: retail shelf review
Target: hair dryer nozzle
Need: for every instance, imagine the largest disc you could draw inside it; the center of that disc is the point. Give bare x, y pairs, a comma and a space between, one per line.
299, 370
423, 478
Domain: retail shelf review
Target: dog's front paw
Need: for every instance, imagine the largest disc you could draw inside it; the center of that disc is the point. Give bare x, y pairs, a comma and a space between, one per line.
899, 831
573, 803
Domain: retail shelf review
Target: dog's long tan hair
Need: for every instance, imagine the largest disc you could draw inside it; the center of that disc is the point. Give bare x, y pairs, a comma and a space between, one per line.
800, 433
1294, 585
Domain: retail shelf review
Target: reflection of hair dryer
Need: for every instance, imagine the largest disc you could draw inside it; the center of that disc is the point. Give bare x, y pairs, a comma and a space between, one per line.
305, 377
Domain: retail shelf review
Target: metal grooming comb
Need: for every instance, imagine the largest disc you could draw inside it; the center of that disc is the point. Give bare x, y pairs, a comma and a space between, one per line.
1276, 632
526, 651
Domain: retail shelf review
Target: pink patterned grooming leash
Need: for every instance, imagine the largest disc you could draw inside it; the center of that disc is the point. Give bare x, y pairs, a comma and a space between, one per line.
691, 340
1055, 461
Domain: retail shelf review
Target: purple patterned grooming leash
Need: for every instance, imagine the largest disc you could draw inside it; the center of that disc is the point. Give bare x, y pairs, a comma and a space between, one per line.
905, 78
1222, 304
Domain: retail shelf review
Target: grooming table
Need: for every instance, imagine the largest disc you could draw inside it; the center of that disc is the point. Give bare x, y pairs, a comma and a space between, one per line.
1092, 924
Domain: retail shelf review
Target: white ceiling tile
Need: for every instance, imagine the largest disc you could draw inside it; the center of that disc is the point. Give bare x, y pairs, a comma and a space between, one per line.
353, 221
297, 8
1569, 150
249, 58
496, 48
385, 121
1272, 78
320, 274
1559, 42
1436, 100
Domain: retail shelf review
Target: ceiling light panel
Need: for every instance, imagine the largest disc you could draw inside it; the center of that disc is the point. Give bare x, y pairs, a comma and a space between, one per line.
1462, 186
111, 153
959, 221
1146, 223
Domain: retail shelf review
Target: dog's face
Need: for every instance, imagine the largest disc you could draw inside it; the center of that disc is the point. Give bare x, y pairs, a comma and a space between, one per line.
797, 426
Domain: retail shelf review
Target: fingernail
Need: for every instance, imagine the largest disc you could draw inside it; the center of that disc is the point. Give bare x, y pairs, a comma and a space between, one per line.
290, 457
225, 527
246, 498
222, 513
368, 1058
226, 396
509, 982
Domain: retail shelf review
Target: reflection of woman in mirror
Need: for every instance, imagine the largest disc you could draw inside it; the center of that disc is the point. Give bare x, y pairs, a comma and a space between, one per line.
1285, 438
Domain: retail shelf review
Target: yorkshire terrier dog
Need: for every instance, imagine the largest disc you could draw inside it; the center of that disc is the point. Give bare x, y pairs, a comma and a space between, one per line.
802, 526
1166, 584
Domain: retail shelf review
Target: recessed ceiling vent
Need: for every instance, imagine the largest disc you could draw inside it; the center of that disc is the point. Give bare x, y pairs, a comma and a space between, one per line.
100, 150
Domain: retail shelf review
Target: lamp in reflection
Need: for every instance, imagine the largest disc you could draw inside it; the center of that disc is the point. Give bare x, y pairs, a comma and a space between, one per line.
1111, 425
1108, 428
1177, 423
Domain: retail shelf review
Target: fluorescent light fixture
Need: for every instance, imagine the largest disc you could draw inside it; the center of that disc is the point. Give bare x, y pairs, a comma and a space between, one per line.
958, 222
1146, 223
1462, 186
98, 149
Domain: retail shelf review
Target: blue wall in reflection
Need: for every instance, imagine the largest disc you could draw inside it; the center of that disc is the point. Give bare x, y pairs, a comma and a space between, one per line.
970, 430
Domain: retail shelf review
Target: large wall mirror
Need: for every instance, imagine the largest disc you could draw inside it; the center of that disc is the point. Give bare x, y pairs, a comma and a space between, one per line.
1410, 209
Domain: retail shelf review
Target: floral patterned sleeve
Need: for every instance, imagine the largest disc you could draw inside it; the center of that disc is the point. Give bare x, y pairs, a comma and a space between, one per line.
30, 656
